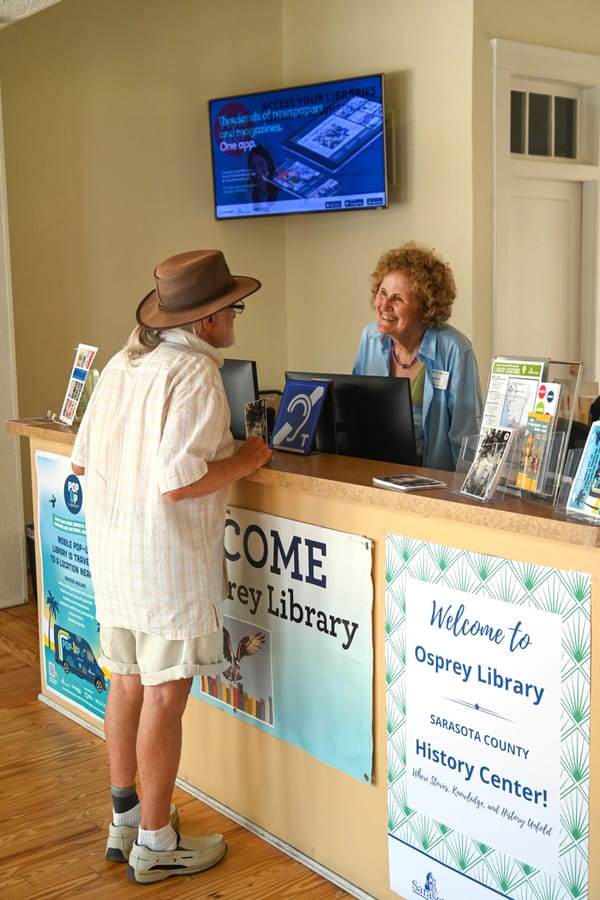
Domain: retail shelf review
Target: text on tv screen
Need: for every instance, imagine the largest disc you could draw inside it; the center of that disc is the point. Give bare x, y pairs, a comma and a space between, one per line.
315, 148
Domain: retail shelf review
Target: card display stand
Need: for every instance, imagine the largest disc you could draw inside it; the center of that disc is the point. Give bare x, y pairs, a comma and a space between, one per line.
544, 476
549, 477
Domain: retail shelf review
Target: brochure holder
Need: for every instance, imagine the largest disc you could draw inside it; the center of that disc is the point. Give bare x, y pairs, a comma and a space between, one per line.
467, 459
571, 464
516, 399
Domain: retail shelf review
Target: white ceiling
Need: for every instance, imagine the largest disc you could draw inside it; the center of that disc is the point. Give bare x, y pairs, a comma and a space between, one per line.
11, 10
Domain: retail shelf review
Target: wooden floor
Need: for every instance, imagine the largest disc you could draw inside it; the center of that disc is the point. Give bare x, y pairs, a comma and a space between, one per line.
55, 807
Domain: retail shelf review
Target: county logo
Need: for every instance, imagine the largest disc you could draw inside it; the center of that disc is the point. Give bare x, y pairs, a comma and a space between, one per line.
428, 890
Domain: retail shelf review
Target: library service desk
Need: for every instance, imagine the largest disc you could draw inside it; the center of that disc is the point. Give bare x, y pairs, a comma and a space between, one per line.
325, 816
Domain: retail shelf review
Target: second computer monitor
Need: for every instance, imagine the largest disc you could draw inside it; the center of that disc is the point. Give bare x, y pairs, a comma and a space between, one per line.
369, 416
241, 386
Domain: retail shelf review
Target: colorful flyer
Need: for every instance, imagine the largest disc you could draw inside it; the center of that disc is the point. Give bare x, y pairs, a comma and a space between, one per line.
70, 639
584, 496
512, 391
84, 357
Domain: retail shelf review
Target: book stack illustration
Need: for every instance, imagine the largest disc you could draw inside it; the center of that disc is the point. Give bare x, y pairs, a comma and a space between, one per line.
246, 682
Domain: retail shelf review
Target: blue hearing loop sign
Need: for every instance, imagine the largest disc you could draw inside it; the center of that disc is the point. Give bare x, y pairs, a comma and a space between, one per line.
298, 415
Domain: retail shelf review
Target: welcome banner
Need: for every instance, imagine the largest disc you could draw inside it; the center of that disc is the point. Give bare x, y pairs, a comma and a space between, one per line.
298, 637
488, 708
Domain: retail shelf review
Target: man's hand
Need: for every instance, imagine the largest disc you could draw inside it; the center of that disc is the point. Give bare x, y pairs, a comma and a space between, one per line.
254, 453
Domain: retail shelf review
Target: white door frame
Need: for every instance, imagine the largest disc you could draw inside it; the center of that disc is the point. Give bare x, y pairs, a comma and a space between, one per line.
512, 60
13, 575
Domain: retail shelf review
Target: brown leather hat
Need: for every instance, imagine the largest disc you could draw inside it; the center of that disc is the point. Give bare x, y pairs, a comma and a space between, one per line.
190, 286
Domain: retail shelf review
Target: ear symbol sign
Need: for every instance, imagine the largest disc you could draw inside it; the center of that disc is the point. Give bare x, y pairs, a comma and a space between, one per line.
289, 431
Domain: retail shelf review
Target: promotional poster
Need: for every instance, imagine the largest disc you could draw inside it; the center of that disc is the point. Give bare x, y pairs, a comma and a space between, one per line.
488, 711
70, 639
298, 637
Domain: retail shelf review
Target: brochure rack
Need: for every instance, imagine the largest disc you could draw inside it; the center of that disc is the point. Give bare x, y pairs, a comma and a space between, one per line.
517, 401
571, 465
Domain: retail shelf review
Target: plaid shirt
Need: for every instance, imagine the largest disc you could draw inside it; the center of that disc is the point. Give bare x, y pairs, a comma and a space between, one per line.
151, 426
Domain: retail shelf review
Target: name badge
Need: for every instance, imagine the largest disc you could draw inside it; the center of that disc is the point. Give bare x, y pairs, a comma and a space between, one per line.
440, 379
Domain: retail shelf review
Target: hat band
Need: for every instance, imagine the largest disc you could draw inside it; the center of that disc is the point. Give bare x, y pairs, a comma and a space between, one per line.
194, 298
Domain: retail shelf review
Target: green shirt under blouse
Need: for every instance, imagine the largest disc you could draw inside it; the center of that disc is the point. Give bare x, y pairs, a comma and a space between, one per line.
417, 387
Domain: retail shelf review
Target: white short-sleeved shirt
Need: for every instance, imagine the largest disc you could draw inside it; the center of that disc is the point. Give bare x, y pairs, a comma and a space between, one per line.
152, 426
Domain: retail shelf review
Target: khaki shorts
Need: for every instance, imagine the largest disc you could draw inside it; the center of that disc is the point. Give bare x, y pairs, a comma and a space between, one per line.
156, 659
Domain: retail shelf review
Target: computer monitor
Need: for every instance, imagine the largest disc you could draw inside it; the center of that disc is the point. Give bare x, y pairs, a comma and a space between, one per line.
369, 416
240, 380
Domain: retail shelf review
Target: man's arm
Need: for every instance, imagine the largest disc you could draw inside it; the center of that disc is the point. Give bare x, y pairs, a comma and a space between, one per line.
253, 454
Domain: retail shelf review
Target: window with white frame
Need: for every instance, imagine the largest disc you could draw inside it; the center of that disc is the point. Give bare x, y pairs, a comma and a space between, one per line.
544, 119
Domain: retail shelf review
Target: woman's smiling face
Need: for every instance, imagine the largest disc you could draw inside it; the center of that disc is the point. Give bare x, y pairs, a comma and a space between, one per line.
398, 310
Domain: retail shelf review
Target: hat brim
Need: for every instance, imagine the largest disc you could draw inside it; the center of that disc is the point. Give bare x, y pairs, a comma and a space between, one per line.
150, 315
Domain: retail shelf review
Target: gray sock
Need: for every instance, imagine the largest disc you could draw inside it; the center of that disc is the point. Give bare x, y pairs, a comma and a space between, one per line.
125, 805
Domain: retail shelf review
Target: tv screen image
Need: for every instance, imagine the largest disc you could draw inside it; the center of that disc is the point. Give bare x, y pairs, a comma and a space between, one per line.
369, 416
315, 148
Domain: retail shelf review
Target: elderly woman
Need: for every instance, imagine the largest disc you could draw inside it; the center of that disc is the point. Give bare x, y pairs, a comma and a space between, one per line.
413, 291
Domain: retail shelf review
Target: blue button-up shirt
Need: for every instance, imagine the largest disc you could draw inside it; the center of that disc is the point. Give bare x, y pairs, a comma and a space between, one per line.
452, 401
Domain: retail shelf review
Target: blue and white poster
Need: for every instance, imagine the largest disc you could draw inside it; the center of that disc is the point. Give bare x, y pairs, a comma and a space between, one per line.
70, 640
488, 709
298, 637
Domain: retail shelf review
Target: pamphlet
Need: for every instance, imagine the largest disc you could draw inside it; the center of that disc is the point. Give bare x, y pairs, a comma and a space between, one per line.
533, 446
537, 437
584, 496
485, 470
407, 482
548, 398
512, 391
84, 357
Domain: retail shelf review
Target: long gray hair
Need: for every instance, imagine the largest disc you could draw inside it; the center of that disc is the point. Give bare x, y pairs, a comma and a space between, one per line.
141, 340
144, 340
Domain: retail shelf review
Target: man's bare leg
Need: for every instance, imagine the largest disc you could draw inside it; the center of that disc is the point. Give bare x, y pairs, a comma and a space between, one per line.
121, 719
159, 736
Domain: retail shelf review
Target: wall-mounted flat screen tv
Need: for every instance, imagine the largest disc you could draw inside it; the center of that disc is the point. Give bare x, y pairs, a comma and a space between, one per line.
315, 148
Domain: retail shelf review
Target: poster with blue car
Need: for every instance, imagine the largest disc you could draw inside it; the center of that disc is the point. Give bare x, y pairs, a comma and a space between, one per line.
70, 638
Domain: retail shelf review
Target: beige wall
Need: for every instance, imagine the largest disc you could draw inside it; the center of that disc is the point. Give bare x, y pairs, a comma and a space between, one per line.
108, 163
108, 167
108, 170
427, 62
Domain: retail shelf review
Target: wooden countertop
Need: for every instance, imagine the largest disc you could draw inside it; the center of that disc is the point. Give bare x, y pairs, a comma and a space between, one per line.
43, 429
347, 478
